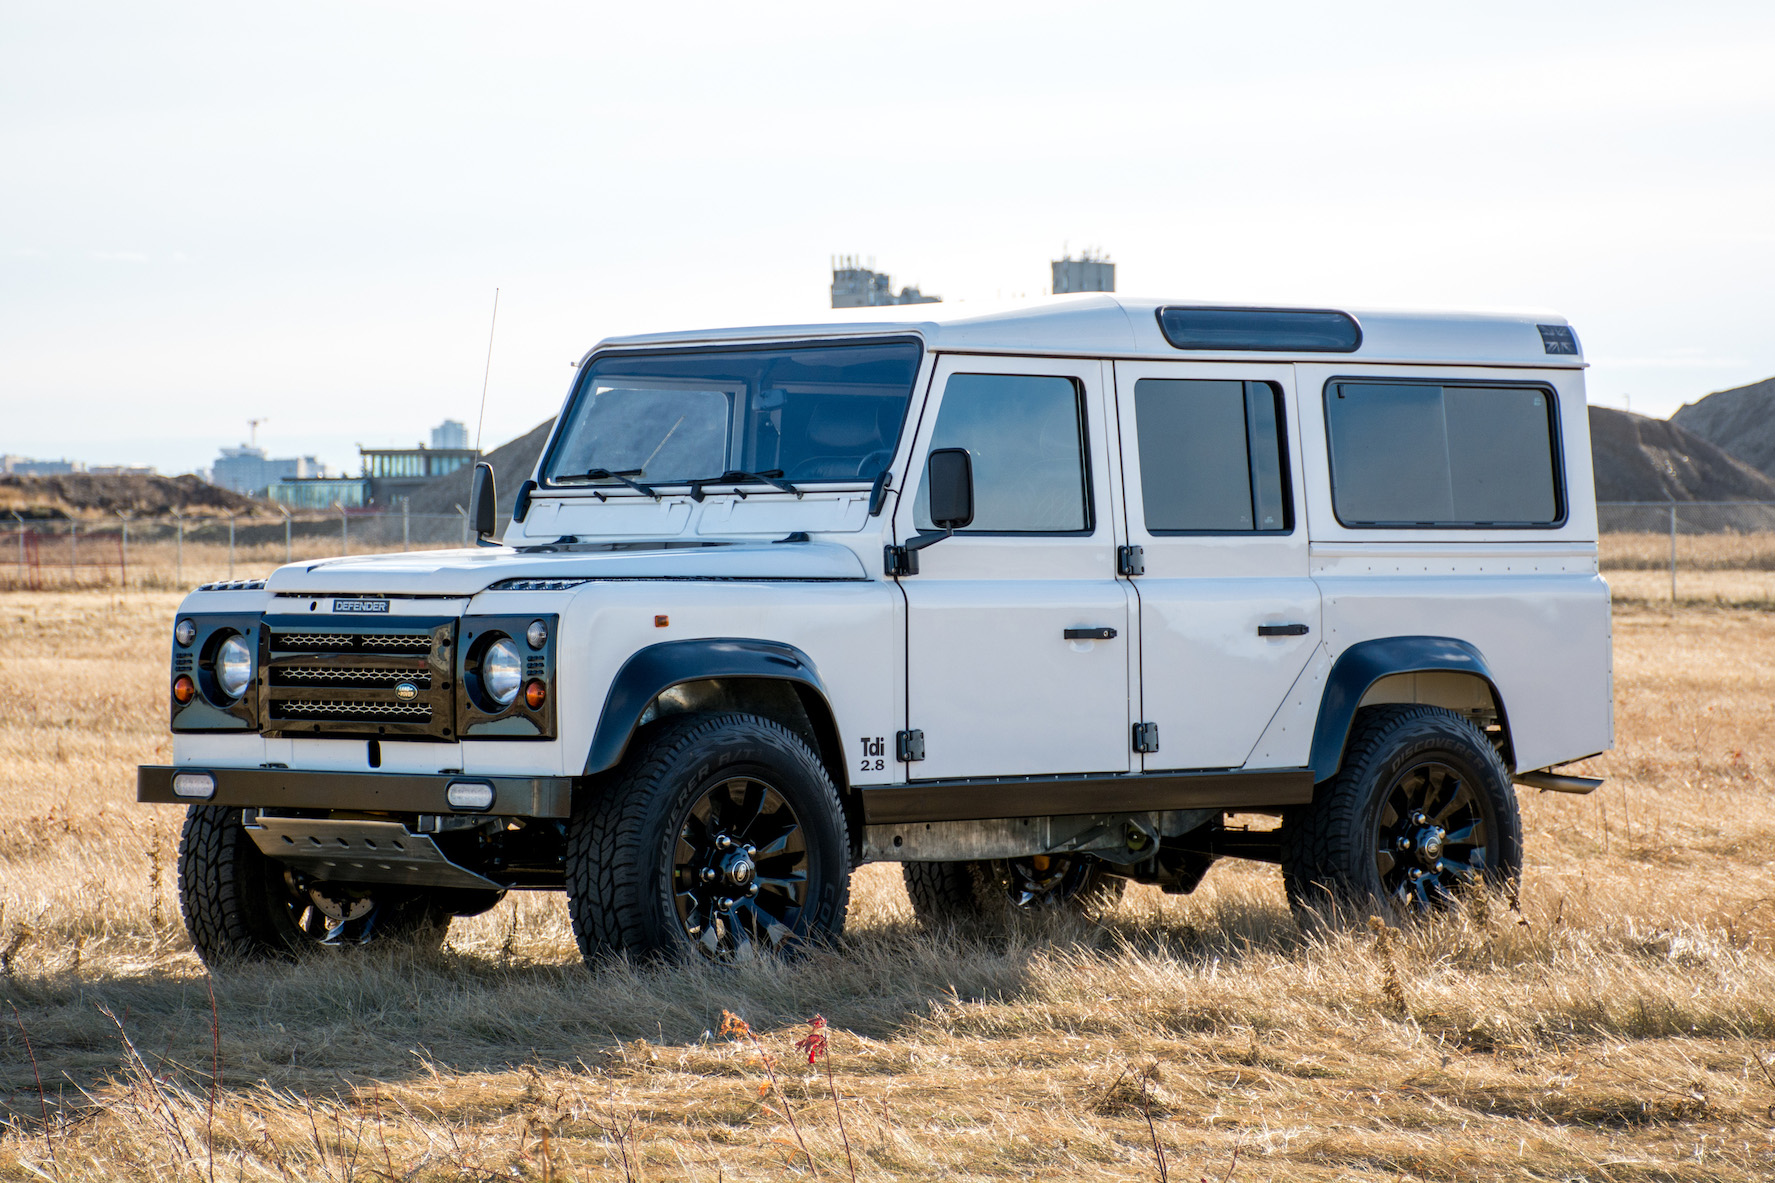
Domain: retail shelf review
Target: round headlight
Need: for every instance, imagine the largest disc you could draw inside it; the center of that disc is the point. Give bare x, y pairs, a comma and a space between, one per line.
234, 666
185, 632
501, 671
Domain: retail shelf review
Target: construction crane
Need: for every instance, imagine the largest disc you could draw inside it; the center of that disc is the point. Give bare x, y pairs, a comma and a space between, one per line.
253, 431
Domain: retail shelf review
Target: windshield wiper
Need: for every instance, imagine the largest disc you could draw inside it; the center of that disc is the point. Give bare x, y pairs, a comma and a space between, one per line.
736, 476
623, 477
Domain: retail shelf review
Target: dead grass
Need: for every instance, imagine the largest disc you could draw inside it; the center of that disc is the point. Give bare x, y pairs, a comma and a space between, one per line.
1619, 1026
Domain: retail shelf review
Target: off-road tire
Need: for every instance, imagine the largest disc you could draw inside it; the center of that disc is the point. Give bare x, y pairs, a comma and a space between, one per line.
970, 892
1329, 846
620, 840
235, 905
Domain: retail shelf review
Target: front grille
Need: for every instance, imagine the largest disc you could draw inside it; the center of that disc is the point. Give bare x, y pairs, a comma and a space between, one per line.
297, 708
307, 675
365, 642
376, 679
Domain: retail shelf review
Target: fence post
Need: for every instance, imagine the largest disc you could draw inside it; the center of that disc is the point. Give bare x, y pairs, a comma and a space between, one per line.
179, 551
286, 513
21, 541
406, 536
73, 545
1673, 550
344, 533
123, 570
463, 514
231, 546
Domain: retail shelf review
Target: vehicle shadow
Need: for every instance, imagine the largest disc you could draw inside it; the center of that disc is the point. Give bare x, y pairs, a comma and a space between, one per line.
337, 1021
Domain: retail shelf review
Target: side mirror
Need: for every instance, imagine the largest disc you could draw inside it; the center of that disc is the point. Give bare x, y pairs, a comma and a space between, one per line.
483, 504
951, 476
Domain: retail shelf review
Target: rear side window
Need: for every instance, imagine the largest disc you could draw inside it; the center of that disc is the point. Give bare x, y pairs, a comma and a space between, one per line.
1211, 456
1026, 437
1424, 454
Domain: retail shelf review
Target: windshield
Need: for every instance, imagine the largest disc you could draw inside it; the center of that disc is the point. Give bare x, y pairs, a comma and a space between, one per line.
805, 413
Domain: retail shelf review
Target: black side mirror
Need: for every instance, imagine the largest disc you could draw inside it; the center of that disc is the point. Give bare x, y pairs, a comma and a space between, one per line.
952, 488
483, 505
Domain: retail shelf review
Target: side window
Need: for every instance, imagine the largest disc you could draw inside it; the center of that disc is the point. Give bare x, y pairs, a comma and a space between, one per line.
1211, 456
1423, 454
1026, 436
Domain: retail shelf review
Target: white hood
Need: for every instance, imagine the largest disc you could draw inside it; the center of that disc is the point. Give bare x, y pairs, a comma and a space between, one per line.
465, 572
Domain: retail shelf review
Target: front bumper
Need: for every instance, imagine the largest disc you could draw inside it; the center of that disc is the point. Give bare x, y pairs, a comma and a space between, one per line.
371, 792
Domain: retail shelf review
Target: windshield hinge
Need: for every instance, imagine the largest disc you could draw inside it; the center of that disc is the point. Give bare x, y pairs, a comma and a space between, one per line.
897, 560
909, 746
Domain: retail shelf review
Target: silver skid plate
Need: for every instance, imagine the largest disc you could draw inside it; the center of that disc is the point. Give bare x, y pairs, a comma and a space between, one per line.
361, 852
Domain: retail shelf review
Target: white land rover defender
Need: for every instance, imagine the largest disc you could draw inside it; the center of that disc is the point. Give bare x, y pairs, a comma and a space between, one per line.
1030, 602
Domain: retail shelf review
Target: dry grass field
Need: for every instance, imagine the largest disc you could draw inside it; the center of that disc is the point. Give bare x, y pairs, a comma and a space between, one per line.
1616, 1022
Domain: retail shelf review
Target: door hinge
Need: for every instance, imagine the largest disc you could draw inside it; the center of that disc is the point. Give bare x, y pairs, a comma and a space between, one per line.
1130, 560
1146, 737
897, 560
909, 746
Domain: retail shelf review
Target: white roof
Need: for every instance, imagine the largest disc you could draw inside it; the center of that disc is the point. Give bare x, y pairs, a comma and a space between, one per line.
1109, 325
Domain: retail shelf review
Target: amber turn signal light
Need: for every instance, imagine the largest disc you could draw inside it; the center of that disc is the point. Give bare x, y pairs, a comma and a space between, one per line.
184, 688
535, 694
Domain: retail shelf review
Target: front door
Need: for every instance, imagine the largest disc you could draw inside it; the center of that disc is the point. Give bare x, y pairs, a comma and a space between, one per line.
1229, 615
994, 680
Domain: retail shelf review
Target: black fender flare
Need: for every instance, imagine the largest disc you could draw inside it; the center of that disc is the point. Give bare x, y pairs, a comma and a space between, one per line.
651, 671
1367, 662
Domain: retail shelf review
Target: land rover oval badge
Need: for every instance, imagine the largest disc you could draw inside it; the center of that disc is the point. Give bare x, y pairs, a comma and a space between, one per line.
406, 691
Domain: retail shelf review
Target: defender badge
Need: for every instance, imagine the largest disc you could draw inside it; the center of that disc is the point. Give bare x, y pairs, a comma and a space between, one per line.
406, 691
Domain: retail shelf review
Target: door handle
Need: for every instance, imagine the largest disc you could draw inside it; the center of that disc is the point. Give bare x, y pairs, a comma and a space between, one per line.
1281, 630
1089, 634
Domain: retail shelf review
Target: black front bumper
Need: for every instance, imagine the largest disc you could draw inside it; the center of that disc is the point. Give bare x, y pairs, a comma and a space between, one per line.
371, 792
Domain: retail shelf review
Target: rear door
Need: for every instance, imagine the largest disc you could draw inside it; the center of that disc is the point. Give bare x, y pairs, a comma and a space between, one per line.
1229, 615
994, 680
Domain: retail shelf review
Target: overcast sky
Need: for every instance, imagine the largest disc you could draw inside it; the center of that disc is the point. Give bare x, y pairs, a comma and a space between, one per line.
300, 212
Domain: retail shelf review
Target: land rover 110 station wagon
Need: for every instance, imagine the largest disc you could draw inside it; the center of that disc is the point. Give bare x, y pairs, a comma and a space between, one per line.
1031, 602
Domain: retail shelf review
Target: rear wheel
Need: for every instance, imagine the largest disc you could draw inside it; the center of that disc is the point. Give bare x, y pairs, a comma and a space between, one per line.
960, 891
1421, 812
242, 906
721, 835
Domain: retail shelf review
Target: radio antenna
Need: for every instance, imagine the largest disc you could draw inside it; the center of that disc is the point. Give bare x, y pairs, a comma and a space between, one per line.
482, 420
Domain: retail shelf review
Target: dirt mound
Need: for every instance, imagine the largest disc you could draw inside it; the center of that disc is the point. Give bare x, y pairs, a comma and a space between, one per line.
512, 465
1740, 420
82, 494
1641, 459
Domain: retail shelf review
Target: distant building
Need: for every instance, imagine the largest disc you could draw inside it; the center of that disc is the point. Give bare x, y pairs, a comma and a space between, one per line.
449, 434
121, 469
389, 474
320, 492
1090, 272
25, 466
857, 286
248, 470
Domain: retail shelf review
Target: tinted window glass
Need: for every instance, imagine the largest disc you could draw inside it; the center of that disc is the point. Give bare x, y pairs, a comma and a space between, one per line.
812, 413
1299, 331
1210, 455
1414, 454
1025, 436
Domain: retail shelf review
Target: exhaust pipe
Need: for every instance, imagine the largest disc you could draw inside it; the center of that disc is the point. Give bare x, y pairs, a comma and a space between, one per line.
1553, 782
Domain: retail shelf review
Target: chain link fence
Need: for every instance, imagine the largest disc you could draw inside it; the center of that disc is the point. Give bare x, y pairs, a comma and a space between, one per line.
1649, 549
179, 552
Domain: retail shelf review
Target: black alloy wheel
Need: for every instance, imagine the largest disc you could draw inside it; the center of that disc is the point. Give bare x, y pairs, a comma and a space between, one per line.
997, 888
720, 835
739, 869
1431, 836
1420, 813
240, 905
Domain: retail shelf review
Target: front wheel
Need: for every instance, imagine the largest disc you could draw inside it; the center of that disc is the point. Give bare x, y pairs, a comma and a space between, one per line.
1421, 813
240, 905
721, 835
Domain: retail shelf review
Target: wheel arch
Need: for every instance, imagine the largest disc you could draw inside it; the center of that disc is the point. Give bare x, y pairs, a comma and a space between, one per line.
1383, 670
774, 680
